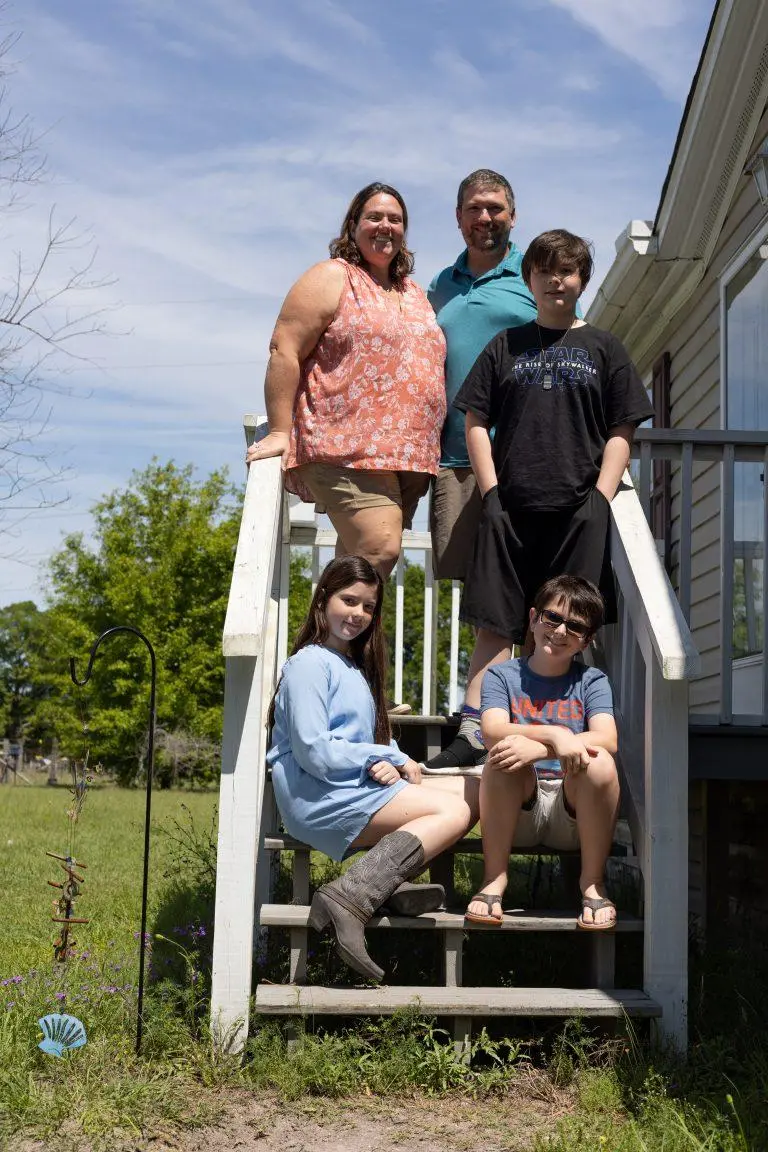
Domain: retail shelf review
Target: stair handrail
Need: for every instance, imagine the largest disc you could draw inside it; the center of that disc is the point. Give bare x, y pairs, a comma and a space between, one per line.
249, 590
652, 715
651, 601
250, 645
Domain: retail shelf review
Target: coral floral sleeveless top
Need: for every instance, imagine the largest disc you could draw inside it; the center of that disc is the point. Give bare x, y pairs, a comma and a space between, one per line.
372, 392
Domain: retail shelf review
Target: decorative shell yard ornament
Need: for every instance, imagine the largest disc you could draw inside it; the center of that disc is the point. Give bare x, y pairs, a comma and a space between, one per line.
61, 1034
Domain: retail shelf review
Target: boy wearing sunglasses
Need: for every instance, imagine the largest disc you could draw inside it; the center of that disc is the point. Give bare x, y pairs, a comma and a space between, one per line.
550, 778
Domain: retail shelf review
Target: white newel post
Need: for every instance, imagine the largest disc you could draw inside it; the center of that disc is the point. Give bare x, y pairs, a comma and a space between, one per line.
665, 851
250, 640
240, 799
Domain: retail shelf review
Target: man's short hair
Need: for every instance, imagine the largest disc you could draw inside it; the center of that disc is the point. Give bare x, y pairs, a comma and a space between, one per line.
582, 597
485, 178
558, 247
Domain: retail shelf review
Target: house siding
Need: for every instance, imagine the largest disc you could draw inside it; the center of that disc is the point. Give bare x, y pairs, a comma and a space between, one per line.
693, 342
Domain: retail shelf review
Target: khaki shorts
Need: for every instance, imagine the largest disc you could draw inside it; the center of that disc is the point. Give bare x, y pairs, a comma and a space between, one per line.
454, 512
351, 489
547, 821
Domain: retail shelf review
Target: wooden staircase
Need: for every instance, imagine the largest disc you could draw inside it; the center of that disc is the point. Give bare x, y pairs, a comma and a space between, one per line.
650, 658
451, 998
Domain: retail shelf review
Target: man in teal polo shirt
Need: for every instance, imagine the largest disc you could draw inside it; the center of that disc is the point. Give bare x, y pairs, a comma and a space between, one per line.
474, 299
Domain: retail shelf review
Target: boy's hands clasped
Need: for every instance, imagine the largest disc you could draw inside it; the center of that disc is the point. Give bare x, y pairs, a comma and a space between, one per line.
385, 773
512, 753
572, 751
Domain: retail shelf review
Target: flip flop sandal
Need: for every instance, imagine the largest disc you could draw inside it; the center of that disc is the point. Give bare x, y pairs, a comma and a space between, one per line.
595, 903
489, 899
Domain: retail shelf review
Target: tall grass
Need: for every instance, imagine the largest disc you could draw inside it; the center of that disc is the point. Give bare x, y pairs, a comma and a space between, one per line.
621, 1095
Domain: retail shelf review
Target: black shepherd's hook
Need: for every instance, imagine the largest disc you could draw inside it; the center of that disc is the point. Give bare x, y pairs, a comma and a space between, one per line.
150, 769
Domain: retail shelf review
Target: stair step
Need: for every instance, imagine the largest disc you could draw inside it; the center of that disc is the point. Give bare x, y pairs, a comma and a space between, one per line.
417, 720
281, 842
296, 915
307, 1000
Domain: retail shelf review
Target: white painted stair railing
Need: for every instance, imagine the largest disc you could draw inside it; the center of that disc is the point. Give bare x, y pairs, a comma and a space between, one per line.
649, 656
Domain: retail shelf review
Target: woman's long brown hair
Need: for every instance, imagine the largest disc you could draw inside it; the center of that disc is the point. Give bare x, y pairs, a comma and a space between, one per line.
368, 650
344, 245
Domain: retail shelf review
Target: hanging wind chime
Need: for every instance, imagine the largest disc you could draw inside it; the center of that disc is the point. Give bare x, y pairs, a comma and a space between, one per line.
70, 888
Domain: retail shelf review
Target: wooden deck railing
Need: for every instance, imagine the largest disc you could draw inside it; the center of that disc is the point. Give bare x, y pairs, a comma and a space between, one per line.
250, 648
686, 449
650, 658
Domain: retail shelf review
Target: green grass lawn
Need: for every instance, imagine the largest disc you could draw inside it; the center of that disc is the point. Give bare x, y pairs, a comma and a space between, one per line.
109, 840
611, 1094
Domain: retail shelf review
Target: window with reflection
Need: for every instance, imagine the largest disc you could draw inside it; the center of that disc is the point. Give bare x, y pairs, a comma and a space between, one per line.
746, 299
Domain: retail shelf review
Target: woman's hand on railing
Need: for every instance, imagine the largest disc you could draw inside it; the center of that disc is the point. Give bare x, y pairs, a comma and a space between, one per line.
273, 444
384, 773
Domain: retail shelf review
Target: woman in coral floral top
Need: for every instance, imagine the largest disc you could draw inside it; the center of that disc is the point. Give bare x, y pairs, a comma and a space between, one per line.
355, 386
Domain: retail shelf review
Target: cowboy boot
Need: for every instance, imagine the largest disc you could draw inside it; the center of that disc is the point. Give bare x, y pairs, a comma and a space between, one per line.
413, 899
349, 902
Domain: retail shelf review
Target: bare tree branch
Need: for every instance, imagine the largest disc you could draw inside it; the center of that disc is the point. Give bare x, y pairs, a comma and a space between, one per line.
41, 327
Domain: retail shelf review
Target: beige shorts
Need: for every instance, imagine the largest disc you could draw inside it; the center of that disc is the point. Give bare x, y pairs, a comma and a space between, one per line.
547, 821
454, 512
350, 489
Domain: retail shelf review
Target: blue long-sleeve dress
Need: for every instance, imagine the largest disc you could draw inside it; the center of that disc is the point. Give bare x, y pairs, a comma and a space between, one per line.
322, 747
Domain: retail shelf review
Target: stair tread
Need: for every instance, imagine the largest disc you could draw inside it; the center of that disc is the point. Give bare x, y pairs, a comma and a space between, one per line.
296, 999
416, 720
282, 842
295, 916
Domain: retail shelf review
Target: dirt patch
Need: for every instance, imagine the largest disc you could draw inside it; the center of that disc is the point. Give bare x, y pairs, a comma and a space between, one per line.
255, 1122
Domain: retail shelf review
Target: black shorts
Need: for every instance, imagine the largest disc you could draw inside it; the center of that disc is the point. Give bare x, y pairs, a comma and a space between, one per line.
516, 552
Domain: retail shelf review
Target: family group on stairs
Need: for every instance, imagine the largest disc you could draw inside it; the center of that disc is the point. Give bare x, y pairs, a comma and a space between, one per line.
491, 389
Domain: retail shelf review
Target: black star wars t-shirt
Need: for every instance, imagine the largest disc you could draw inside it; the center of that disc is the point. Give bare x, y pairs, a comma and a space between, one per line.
552, 410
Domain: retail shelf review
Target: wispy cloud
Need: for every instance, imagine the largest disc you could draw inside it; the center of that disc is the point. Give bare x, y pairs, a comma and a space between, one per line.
662, 36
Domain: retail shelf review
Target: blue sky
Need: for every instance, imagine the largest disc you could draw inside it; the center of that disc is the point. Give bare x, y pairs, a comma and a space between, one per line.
211, 146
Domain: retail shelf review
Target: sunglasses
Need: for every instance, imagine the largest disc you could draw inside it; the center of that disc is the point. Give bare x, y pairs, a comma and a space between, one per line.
574, 627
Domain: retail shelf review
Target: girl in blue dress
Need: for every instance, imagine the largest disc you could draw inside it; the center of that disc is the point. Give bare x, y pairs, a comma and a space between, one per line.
341, 783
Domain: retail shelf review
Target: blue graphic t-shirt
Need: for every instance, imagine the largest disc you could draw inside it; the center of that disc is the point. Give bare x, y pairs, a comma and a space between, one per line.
568, 701
553, 398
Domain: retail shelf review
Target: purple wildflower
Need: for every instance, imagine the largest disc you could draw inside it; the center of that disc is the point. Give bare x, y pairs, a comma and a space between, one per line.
60, 995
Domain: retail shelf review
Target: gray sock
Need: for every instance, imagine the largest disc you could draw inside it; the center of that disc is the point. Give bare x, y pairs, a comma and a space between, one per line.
469, 727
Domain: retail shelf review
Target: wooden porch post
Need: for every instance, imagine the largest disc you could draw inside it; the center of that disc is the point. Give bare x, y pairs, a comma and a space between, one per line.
250, 644
665, 850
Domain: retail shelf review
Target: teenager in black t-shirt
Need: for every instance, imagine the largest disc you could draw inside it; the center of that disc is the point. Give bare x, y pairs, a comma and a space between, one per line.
564, 399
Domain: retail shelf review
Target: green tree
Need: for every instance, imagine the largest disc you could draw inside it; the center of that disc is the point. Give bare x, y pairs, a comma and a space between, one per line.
160, 560
413, 637
299, 592
23, 631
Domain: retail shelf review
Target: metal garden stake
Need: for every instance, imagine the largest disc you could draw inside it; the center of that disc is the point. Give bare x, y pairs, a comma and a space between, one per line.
148, 809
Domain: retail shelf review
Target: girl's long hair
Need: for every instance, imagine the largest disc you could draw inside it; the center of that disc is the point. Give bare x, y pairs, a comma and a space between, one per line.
368, 650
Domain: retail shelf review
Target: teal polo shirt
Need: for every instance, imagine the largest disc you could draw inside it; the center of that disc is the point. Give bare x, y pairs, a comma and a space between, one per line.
471, 312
